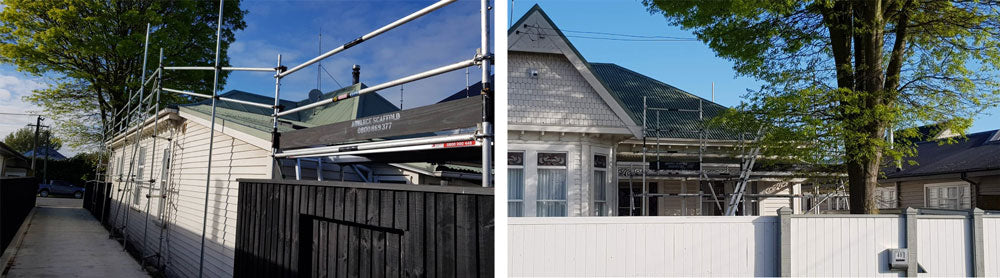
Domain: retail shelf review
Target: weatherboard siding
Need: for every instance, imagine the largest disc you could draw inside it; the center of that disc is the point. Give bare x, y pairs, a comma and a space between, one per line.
232, 159
559, 96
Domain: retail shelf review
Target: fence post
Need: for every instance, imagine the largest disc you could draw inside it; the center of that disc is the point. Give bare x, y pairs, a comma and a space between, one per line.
978, 263
911, 242
785, 213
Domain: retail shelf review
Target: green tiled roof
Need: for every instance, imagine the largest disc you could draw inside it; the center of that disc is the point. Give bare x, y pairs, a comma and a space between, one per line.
257, 120
628, 88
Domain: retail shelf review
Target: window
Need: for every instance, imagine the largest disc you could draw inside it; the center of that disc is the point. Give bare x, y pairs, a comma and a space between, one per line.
551, 184
947, 196
515, 184
121, 164
137, 183
885, 197
141, 164
600, 185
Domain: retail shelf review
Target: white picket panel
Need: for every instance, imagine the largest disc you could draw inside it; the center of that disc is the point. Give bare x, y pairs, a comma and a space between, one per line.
644, 246
844, 245
991, 245
945, 246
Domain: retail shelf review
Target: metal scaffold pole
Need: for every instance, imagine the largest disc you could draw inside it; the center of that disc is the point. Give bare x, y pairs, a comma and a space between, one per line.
645, 197
130, 182
152, 177
211, 141
132, 121
487, 126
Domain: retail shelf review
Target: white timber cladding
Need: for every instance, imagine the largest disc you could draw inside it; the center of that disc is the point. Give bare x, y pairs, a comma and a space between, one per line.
991, 245
847, 246
770, 205
546, 90
579, 150
643, 246
232, 159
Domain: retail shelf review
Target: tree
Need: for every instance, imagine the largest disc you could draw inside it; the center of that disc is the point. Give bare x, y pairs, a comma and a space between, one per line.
840, 74
94, 52
23, 139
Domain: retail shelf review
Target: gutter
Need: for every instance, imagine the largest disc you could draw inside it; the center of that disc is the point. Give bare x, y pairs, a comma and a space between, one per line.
975, 189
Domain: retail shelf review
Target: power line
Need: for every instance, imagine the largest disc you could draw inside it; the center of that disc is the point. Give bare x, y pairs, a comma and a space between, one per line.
21, 114
331, 77
633, 37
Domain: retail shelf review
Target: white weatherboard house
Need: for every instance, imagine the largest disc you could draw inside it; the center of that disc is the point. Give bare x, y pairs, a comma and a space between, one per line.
575, 138
176, 169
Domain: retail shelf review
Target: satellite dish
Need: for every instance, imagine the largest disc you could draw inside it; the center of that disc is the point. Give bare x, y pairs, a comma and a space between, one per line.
314, 95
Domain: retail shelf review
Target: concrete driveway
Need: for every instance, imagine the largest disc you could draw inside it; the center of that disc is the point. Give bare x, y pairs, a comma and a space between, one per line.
64, 240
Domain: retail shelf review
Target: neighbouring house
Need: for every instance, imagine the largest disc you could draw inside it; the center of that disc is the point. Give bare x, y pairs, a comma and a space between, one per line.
575, 134
43, 151
961, 174
12, 163
171, 164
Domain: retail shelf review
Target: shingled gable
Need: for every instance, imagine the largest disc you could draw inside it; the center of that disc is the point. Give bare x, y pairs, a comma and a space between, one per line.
536, 24
253, 124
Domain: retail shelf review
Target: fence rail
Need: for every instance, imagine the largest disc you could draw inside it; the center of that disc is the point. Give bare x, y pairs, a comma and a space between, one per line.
308, 228
17, 198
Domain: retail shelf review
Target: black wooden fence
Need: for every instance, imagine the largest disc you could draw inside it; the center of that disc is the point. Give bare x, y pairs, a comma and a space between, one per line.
340, 229
17, 198
96, 196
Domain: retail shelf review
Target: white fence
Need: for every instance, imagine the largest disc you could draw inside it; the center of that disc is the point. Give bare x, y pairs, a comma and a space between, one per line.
643, 246
817, 245
991, 245
842, 245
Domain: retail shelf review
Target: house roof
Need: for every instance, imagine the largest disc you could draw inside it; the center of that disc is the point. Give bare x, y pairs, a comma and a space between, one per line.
473, 90
629, 87
976, 152
257, 121
53, 154
7, 151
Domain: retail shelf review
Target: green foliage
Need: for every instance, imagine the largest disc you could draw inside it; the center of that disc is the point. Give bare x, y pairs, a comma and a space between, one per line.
23, 139
94, 51
77, 169
840, 75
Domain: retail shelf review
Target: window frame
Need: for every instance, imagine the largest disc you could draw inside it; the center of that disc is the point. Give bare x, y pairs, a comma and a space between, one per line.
565, 172
605, 181
521, 167
962, 188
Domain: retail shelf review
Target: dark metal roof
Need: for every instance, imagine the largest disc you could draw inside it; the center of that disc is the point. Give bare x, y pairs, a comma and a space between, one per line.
975, 152
628, 88
53, 154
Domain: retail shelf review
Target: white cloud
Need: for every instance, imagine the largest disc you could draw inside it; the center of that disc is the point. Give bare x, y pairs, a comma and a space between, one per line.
13, 88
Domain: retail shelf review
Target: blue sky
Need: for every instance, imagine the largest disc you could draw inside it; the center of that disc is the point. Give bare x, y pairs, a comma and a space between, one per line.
292, 28
689, 65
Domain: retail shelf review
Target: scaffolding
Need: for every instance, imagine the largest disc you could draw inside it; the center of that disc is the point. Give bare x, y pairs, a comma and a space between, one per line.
143, 106
748, 155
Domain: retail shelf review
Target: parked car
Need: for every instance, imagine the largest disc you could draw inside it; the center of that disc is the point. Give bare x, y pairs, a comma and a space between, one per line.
59, 187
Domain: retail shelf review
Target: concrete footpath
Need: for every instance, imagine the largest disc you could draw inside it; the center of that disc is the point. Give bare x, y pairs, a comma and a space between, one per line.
64, 240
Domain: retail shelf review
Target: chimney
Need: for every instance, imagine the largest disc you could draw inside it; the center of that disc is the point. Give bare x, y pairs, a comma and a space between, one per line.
356, 73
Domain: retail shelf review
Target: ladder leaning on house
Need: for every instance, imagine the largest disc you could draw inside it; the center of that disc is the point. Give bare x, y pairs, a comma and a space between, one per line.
749, 158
